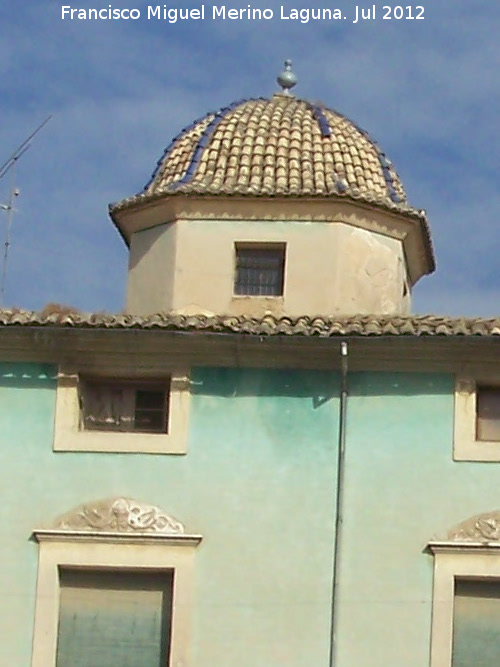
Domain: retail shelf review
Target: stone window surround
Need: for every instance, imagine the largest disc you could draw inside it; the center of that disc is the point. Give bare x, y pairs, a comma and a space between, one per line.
69, 437
145, 548
470, 551
465, 445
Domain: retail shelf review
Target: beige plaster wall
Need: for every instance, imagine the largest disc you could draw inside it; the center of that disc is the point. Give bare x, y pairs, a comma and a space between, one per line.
150, 286
331, 268
371, 273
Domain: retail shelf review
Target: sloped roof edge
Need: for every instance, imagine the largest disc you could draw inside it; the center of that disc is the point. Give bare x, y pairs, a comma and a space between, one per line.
322, 327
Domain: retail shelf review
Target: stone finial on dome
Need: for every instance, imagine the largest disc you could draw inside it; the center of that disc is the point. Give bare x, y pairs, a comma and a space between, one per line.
287, 79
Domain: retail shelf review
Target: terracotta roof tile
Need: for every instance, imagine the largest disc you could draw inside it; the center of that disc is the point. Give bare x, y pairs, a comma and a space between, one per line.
365, 325
280, 147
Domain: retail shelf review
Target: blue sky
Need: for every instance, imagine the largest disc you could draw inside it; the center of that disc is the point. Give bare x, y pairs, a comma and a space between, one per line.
426, 90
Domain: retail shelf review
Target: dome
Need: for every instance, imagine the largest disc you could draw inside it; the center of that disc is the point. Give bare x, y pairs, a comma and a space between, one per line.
283, 146
283, 183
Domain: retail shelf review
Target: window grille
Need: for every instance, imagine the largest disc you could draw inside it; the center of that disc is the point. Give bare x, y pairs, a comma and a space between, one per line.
259, 270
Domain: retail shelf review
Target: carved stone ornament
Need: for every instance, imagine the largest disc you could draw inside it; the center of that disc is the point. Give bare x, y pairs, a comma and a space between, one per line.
119, 515
480, 528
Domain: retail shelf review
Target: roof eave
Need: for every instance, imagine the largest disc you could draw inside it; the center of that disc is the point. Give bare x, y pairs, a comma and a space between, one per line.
100, 347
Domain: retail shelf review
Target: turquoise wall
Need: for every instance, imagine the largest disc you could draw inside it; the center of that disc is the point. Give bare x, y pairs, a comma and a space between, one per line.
402, 489
258, 483
27, 395
264, 445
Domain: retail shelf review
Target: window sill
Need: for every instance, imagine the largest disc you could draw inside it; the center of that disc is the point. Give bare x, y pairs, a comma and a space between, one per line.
119, 443
257, 297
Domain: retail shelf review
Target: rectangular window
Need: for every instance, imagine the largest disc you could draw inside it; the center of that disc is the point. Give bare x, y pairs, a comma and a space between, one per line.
477, 418
139, 407
113, 617
466, 598
99, 413
113, 597
260, 269
476, 623
488, 413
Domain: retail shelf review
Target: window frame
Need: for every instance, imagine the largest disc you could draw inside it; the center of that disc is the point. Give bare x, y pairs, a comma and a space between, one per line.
466, 445
151, 550
456, 560
263, 245
69, 436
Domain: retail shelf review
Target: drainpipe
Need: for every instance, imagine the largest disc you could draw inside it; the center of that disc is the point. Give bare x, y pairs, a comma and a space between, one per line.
339, 502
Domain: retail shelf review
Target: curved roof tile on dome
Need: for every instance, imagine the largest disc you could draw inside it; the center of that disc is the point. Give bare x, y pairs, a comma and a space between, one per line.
275, 147
283, 146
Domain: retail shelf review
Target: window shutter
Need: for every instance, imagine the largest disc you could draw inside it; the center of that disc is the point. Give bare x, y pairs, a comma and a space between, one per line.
103, 406
476, 623
114, 619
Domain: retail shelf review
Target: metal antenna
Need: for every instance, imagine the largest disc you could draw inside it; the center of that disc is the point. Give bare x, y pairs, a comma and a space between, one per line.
9, 164
9, 209
20, 150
